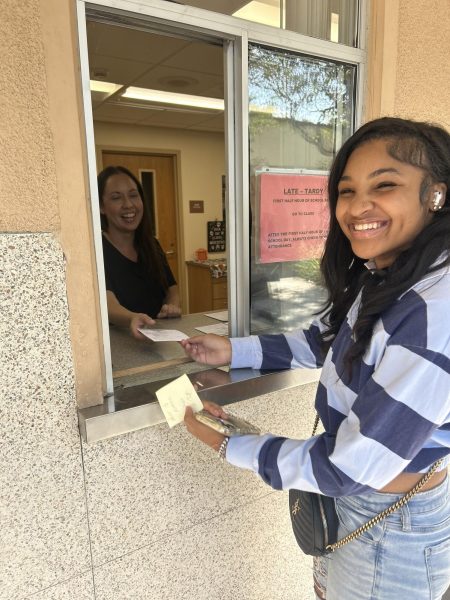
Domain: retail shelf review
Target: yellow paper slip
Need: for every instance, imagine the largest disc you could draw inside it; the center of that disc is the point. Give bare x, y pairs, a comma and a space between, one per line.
175, 396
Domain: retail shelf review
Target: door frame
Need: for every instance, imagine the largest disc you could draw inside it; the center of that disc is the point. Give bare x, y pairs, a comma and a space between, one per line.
161, 17
176, 157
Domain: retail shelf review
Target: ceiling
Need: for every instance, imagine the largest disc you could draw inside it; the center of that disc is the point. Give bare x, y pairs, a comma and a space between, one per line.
130, 57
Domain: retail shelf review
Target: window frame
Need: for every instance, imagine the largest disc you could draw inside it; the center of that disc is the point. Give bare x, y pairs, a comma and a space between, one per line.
235, 34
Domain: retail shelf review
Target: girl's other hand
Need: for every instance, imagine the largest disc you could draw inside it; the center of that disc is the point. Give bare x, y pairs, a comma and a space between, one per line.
205, 434
208, 349
214, 409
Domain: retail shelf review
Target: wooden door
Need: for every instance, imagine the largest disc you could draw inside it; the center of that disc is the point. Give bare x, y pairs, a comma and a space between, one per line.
160, 170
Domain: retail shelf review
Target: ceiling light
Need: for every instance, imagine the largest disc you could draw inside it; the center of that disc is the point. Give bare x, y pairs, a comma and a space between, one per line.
267, 13
136, 93
334, 27
104, 86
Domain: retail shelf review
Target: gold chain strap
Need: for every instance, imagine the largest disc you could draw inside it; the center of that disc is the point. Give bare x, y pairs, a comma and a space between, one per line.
387, 511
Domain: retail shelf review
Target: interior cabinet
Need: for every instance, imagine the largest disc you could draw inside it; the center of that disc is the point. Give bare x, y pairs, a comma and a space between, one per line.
206, 292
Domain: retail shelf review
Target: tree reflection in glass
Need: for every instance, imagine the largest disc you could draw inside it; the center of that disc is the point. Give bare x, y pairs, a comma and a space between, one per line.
301, 109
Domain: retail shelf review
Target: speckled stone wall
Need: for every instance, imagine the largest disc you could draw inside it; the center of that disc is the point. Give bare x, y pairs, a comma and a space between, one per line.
169, 520
44, 533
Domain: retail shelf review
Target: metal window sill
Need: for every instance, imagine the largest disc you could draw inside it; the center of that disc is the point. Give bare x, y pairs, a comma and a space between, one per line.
134, 408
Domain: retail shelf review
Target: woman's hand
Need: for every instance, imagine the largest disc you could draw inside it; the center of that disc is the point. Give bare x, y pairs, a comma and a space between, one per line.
205, 434
140, 320
121, 316
209, 349
169, 311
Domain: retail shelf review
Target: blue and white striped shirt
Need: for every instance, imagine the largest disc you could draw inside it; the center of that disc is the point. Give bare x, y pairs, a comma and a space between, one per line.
391, 416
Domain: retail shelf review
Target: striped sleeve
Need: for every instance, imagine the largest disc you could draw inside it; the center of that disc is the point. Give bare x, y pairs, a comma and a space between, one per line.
399, 414
300, 348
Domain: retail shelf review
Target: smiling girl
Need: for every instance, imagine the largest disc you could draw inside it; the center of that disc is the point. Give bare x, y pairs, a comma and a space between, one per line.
383, 342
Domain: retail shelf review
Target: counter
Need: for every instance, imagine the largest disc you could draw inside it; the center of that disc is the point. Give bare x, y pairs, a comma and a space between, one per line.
142, 367
135, 361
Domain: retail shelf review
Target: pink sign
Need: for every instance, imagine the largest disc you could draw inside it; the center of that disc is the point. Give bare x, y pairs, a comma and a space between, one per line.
293, 216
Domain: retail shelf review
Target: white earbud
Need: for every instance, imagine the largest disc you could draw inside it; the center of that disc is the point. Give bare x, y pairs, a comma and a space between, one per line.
437, 200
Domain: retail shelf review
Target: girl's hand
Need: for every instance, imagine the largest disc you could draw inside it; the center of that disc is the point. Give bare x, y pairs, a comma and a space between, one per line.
205, 434
214, 409
208, 349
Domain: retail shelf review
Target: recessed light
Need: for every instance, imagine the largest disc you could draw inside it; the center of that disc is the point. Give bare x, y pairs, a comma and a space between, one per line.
178, 82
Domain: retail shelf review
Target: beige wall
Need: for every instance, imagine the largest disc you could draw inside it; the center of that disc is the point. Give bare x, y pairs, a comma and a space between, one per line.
408, 62
423, 61
27, 165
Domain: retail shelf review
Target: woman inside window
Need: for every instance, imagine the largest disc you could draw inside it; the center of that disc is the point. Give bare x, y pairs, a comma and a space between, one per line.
140, 285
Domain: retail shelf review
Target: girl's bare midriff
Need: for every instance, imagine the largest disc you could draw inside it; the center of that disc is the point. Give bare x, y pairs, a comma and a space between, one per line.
406, 481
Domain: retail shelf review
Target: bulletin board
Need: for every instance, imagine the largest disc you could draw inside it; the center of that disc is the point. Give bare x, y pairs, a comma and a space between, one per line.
292, 216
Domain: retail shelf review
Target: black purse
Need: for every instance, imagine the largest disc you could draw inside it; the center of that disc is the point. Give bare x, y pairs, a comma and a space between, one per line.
315, 521
314, 518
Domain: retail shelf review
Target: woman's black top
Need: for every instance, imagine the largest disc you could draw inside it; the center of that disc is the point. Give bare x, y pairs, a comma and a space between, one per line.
134, 286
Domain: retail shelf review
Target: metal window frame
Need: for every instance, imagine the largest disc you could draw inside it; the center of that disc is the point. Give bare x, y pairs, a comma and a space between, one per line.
235, 34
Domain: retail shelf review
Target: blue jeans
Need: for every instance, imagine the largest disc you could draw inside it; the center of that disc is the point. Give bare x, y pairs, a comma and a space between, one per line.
406, 556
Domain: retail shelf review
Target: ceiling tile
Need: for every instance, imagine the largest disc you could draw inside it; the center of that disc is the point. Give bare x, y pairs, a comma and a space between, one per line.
131, 44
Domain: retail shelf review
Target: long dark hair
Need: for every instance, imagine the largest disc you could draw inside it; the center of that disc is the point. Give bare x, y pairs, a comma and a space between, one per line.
418, 144
147, 248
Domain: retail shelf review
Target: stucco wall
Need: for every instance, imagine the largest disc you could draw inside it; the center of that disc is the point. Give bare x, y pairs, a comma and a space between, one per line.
408, 65
423, 61
27, 167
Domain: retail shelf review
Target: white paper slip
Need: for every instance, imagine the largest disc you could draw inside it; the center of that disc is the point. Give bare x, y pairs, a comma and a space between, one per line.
217, 328
163, 335
175, 396
220, 316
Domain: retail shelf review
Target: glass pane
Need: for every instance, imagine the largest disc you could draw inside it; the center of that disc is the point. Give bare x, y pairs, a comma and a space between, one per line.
300, 112
333, 20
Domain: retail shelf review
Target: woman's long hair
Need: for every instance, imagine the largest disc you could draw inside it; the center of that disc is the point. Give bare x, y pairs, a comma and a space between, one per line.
415, 143
146, 246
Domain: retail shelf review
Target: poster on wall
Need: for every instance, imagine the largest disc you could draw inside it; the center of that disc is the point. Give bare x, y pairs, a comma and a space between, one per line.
216, 236
292, 214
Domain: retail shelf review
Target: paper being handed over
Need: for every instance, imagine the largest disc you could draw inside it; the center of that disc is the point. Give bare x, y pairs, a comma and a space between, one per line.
163, 335
175, 396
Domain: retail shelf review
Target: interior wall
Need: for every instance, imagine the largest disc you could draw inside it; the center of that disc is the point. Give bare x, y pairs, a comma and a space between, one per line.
201, 164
